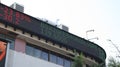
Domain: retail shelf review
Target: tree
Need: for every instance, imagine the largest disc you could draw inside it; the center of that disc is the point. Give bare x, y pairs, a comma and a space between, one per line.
99, 65
113, 63
78, 61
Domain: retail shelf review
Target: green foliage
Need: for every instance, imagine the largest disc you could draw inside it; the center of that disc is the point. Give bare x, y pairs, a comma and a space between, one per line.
113, 63
98, 65
78, 61
95, 65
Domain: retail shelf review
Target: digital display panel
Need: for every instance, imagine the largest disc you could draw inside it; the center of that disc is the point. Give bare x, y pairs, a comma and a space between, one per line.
18, 19
40, 28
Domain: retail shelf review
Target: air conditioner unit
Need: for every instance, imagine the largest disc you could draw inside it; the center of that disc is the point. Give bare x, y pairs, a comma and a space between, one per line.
63, 27
18, 7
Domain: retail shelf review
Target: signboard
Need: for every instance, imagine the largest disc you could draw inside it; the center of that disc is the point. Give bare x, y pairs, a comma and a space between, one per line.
18, 19
3, 49
37, 27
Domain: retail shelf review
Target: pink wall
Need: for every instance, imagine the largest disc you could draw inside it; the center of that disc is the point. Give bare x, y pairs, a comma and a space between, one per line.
20, 45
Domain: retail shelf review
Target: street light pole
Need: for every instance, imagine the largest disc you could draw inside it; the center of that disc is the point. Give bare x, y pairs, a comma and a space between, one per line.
87, 33
114, 46
94, 38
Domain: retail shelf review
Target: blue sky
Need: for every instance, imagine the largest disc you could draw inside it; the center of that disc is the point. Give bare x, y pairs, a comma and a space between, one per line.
80, 16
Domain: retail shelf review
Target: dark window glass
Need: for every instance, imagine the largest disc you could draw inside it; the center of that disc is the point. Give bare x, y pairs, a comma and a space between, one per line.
37, 52
60, 61
29, 50
87, 65
44, 55
12, 45
67, 63
53, 58
9, 39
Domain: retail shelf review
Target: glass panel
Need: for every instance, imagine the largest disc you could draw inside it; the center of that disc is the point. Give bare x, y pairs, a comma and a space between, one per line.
67, 63
87, 65
9, 39
53, 58
37, 52
44, 56
12, 45
60, 61
29, 50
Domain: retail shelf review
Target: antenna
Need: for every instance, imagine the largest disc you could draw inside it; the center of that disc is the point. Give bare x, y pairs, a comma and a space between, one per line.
114, 46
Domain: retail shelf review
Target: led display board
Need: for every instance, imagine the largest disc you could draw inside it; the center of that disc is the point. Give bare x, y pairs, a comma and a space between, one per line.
37, 27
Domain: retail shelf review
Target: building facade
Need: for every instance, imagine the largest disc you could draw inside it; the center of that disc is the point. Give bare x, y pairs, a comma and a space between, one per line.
30, 42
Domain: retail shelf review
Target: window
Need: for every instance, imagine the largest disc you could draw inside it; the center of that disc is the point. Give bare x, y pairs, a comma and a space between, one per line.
53, 58
37, 53
44, 55
60, 61
67, 63
47, 55
9, 39
12, 45
29, 50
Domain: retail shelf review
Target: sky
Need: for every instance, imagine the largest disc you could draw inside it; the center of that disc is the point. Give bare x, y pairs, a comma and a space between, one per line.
81, 16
